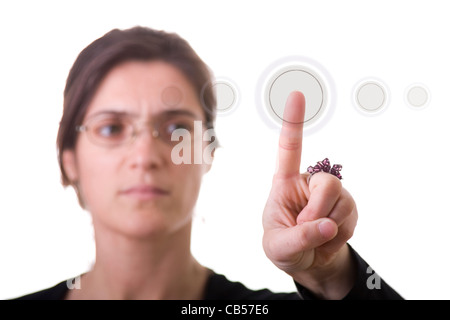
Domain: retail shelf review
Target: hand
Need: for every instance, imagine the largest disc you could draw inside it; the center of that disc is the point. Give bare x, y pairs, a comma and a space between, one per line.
306, 226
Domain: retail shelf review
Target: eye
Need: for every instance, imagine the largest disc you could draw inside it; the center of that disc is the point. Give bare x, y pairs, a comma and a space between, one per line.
110, 129
181, 123
174, 126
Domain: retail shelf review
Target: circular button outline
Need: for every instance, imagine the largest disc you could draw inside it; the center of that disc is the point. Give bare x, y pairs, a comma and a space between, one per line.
408, 90
229, 108
171, 96
303, 69
366, 81
294, 62
236, 99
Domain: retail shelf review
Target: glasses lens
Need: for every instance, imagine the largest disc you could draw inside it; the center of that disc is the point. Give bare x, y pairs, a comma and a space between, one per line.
113, 130
110, 130
175, 127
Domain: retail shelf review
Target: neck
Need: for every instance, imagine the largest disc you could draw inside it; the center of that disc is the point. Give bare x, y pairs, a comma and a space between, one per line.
161, 267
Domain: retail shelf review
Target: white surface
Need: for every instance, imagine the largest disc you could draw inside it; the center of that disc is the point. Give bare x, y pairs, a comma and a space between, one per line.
394, 164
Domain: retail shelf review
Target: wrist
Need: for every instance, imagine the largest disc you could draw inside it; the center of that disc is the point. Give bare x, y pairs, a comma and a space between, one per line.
332, 281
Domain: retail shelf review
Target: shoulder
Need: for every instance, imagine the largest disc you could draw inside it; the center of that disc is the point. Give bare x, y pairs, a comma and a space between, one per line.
57, 292
219, 287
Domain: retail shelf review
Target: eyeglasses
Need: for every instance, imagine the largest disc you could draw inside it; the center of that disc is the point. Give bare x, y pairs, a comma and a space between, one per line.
115, 129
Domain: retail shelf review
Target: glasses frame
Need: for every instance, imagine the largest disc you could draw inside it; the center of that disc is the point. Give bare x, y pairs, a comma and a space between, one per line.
137, 127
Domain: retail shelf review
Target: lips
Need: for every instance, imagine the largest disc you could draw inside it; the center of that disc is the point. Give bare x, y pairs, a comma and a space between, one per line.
144, 192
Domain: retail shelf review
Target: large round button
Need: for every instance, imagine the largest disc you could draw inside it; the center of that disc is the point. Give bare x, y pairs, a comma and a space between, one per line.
296, 74
296, 78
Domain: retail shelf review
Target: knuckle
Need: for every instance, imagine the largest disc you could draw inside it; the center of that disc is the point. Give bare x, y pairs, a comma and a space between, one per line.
347, 233
303, 239
348, 206
289, 144
333, 184
327, 182
347, 230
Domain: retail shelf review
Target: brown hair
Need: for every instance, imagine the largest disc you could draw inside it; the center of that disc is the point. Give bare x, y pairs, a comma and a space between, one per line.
115, 47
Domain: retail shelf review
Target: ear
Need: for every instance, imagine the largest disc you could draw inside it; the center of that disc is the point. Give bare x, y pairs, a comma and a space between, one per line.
207, 167
70, 165
212, 158
208, 155
209, 150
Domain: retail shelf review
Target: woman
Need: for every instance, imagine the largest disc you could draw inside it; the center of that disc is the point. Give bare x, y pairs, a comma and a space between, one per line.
137, 105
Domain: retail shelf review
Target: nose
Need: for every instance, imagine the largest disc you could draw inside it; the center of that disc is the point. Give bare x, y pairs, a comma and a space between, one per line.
146, 127
146, 150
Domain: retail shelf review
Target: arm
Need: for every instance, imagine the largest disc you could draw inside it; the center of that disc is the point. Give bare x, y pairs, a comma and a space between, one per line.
368, 285
307, 223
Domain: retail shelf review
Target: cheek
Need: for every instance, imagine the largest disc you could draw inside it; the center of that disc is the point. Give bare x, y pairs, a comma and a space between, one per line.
188, 177
187, 180
96, 173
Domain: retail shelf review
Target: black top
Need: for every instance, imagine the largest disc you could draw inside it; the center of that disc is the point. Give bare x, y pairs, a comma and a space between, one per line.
367, 286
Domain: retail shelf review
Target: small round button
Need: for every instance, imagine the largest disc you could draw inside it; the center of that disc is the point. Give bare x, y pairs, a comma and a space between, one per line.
225, 94
371, 96
171, 96
417, 96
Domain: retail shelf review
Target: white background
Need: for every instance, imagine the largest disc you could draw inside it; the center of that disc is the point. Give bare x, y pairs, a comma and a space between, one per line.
395, 164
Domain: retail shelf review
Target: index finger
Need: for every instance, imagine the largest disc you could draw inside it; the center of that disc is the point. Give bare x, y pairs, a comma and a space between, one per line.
291, 136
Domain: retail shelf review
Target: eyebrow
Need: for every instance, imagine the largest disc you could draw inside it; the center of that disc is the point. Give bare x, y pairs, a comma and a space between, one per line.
165, 113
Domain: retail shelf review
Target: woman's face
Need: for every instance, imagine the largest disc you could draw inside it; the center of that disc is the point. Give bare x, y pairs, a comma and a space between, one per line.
135, 188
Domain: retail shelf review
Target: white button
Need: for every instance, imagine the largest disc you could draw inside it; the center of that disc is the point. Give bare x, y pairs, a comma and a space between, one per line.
417, 96
226, 96
296, 78
296, 73
226, 93
371, 96
171, 96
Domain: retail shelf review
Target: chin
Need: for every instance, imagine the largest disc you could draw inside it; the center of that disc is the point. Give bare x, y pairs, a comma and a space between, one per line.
147, 224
